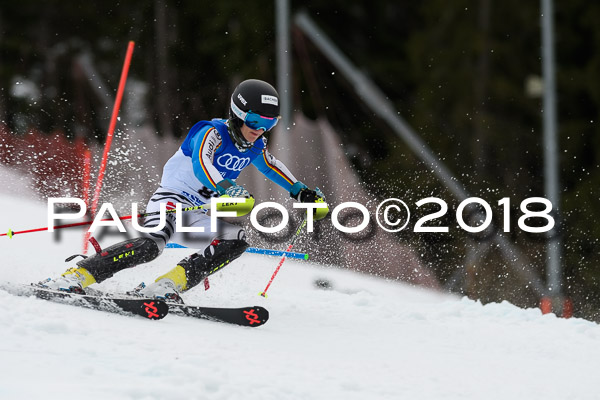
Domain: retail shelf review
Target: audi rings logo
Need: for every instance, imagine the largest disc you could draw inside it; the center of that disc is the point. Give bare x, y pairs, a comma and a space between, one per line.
233, 163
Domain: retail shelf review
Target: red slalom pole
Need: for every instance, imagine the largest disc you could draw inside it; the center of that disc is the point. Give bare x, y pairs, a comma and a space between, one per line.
87, 170
111, 128
109, 136
264, 292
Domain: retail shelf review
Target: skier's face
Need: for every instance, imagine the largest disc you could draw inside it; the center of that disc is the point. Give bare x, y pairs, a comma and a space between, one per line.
251, 134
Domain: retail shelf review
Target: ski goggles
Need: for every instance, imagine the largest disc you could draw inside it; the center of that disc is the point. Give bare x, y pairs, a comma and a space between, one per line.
253, 120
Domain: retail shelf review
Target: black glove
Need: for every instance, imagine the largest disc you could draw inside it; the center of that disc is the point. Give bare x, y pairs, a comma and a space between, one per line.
300, 192
307, 196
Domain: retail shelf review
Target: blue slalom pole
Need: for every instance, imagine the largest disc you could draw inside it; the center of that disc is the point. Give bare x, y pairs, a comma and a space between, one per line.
279, 253
256, 250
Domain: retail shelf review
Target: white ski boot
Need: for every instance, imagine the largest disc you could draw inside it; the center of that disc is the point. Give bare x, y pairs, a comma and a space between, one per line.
163, 289
72, 281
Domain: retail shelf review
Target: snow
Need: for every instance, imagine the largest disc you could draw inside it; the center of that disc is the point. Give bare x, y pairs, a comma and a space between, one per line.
365, 338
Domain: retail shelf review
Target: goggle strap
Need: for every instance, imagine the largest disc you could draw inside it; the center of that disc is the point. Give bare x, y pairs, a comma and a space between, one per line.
237, 111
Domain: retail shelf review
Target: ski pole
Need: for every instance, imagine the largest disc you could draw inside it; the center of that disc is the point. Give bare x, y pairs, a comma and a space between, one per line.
300, 228
11, 233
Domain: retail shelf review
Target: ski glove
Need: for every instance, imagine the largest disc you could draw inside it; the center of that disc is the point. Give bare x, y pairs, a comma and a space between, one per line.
232, 189
303, 194
228, 188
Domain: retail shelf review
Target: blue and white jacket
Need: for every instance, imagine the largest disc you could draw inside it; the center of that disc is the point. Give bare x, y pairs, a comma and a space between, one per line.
208, 155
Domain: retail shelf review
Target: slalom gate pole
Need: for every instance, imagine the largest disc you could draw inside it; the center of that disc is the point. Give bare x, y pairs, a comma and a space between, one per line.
267, 252
254, 250
109, 135
300, 229
11, 233
87, 172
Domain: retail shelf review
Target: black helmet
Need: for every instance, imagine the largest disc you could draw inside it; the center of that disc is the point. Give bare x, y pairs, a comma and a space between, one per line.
255, 103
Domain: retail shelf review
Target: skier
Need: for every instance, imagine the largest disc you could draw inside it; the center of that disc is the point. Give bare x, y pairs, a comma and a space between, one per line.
207, 164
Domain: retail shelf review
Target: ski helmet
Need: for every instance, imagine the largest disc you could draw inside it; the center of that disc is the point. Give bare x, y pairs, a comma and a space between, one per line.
254, 103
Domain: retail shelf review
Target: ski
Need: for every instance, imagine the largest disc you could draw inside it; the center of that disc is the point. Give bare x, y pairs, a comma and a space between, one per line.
147, 308
245, 316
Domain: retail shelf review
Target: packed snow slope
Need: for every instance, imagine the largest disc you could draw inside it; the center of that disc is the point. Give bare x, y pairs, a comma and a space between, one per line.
364, 338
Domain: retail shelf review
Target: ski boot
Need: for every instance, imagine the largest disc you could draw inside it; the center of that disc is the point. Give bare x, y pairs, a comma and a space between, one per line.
74, 280
192, 270
163, 289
